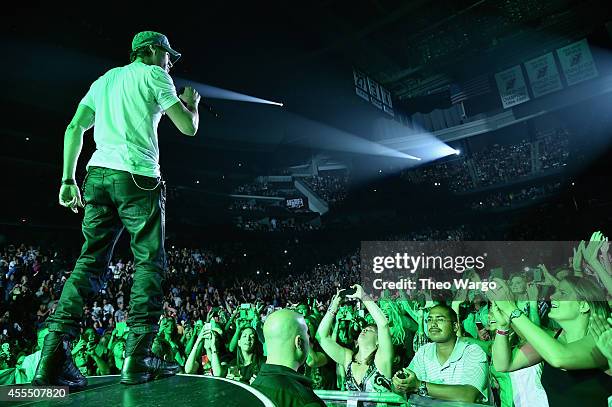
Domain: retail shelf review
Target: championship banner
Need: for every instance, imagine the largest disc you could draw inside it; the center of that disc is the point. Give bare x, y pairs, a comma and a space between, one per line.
543, 75
374, 89
361, 87
512, 87
386, 97
577, 62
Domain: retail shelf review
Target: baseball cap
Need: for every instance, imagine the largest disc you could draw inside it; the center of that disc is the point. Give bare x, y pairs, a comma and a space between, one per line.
154, 38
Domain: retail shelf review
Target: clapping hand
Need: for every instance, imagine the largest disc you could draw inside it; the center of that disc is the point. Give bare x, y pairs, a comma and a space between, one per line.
502, 296
591, 251
501, 319
602, 333
577, 258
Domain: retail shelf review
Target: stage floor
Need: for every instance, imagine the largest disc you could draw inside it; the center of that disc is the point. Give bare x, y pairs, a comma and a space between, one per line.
179, 390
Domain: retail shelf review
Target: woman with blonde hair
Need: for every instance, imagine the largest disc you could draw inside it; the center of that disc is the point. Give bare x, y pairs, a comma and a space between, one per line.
573, 368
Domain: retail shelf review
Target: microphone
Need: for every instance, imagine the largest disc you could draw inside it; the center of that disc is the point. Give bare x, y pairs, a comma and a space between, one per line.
204, 104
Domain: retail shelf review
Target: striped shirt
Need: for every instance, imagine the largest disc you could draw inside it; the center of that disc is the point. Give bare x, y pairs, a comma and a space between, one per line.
467, 364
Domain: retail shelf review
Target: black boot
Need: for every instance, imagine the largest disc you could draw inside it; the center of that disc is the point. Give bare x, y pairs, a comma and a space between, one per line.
56, 367
140, 364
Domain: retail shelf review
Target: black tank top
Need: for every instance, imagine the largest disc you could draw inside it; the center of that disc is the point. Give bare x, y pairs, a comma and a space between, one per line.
588, 387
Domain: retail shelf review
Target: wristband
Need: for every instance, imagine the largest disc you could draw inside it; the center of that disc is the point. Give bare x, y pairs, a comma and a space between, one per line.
68, 182
515, 314
422, 390
503, 332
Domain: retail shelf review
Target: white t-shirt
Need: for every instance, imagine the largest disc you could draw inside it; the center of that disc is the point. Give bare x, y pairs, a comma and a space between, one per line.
467, 364
128, 102
527, 389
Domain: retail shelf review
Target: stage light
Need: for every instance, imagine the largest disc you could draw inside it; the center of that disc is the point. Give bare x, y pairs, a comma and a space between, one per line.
212, 92
457, 152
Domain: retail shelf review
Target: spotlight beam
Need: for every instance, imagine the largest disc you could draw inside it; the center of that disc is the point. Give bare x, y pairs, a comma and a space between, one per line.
213, 92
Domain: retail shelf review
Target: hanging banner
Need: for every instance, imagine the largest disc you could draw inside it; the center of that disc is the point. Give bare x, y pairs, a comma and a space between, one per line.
386, 97
543, 75
368, 89
512, 87
361, 87
374, 89
577, 62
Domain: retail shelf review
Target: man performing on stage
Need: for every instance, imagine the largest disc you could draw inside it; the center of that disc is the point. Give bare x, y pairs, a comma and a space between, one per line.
123, 189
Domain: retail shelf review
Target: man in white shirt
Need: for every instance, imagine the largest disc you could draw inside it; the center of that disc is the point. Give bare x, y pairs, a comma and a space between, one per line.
123, 190
108, 309
448, 368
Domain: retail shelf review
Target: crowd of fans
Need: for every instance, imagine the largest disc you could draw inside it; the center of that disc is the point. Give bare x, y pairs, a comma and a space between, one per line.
256, 188
453, 174
271, 224
249, 205
357, 343
553, 149
505, 199
331, 187
497, 164
502, 163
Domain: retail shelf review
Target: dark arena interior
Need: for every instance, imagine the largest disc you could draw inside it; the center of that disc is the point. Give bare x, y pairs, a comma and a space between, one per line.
323, 203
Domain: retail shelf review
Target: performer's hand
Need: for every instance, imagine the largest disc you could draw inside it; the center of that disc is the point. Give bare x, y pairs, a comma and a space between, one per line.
190, 96
70, 197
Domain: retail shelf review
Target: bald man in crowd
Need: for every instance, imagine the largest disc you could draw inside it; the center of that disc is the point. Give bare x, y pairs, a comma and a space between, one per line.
287, 342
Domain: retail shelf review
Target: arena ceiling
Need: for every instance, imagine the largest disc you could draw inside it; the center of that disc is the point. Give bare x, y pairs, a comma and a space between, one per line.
415, 48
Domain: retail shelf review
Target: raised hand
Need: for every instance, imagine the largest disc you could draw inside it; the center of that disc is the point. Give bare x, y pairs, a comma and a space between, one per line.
210, 341
602, 333
241, 323
577, 259
532, 292
549, 279
502, 296
335, 302
190, 96
358, 293
461, 295
501, 319
590, 253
